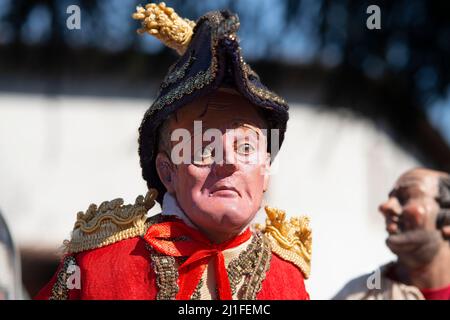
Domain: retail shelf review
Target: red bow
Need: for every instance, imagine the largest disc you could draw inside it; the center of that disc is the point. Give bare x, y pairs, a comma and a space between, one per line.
199, 249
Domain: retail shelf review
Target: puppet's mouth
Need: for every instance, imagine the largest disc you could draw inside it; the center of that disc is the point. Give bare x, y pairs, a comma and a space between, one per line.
224, 191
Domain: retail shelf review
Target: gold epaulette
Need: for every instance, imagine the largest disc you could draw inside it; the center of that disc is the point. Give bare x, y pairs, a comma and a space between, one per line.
111, 222
290, 240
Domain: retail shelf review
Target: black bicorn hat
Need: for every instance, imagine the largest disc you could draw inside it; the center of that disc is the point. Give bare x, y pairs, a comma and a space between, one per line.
210, 58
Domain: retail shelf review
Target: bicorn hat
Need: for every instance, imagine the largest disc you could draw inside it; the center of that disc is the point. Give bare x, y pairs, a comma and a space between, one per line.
210, 58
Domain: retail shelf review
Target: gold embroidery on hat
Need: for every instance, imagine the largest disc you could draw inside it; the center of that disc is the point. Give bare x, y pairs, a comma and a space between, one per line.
259, 92
176, 74
188, 86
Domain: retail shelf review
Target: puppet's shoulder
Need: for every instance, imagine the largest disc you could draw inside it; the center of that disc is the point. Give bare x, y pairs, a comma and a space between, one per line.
291, 239
110, 222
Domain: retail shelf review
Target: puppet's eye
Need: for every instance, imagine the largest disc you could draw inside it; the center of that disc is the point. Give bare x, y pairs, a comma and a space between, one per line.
203, 156
245, 148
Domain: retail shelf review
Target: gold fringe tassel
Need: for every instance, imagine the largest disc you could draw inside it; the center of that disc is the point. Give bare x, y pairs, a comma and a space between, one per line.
165, 24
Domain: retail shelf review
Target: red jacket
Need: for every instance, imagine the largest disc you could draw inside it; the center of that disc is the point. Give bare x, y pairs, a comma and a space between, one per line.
123, 270
111, 257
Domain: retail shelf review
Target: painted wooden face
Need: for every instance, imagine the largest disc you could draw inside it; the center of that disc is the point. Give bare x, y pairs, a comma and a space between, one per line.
220, 183
410, 214
412, 202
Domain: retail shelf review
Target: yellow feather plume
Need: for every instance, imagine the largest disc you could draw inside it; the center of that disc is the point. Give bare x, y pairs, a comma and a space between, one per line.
165, 24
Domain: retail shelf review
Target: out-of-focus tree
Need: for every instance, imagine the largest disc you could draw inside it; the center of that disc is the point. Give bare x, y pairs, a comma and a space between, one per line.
413, 44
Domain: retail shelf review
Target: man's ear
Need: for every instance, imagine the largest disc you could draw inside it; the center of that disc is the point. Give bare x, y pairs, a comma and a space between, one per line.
165, 169
266, 172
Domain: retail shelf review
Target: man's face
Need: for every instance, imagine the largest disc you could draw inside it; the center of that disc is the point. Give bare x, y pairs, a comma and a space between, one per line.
412, 203
410, 214
221, 195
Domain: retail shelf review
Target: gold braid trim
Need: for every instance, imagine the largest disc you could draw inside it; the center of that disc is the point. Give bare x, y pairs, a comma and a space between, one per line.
290, 240
60, 291
166, 25
110, 223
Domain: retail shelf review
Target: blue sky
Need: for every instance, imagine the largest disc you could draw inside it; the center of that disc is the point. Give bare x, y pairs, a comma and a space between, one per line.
439, 114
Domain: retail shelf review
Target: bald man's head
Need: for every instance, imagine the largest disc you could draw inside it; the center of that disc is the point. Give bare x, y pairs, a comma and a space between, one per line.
412, 212
443, 219
441, 180
420, 172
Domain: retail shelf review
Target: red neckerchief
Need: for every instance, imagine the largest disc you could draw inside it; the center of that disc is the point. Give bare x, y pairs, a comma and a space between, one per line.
199, 251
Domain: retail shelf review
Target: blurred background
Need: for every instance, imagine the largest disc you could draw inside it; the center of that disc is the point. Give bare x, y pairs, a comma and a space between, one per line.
366, 105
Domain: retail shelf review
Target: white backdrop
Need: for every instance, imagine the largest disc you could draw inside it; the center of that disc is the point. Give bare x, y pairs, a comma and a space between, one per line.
58, 155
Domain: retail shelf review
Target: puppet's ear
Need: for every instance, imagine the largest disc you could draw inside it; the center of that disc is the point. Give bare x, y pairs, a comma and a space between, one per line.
166, 25
165, 170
